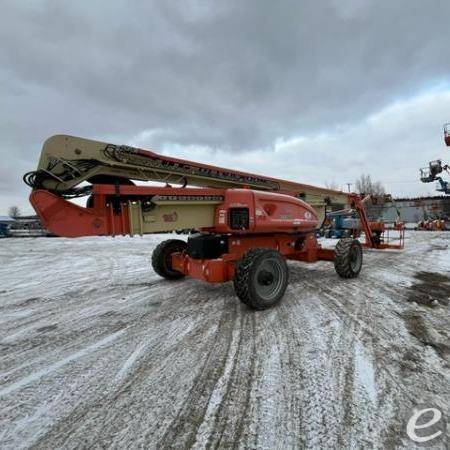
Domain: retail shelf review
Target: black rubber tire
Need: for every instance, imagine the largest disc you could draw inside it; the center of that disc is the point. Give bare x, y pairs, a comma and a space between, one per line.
246, 283
161, 258
348, 258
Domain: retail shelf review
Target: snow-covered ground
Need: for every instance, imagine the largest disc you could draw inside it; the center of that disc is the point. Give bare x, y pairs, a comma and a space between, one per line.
97, 351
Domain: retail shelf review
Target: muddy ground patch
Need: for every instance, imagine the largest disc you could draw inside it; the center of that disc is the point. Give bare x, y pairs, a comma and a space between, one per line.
430, 287
418, 327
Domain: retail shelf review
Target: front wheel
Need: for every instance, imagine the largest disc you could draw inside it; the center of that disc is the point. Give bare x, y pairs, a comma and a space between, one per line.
348, 258
261, 278
162, 258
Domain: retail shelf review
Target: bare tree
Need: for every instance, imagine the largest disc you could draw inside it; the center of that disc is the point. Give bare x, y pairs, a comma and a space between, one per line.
365, 185
332, 185
13, 211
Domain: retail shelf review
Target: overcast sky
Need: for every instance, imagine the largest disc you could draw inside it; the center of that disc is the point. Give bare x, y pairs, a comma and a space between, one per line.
312, 91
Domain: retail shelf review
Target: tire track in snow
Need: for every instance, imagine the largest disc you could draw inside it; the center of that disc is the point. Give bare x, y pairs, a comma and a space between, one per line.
59, 364
192, 413
130, 361
220, 389
294, 374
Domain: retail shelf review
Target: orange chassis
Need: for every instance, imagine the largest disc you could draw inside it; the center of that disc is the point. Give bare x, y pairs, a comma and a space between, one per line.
294, 247
108, 215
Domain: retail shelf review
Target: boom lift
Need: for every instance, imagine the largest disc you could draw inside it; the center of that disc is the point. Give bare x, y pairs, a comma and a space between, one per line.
435, 168
346, 223
432, 173
248, 224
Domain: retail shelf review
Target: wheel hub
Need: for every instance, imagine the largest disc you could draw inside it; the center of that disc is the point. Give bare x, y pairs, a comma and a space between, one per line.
265, 278
269, 279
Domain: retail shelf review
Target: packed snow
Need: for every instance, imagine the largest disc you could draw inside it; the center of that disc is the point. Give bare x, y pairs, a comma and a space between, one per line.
97, 351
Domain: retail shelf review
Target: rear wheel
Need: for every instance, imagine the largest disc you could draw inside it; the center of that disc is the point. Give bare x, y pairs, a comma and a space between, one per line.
261, 278
348, 258
162, 258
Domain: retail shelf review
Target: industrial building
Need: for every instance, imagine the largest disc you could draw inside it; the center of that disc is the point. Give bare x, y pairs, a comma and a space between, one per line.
5, 225
22, 226
423, 208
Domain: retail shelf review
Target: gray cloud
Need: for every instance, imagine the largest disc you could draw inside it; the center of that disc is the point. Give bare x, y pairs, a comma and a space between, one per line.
231, 76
